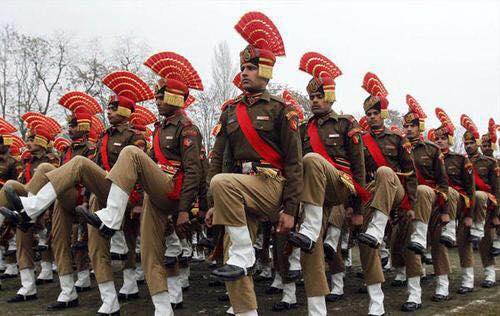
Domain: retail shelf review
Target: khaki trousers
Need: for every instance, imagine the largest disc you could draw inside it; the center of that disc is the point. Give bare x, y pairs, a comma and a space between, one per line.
242, 200
281, 255
464, 246
399, 235
337, 219
134, 166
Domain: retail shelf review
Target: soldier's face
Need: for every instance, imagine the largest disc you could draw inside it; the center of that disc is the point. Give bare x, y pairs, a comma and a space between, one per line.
442, 142
470, 146
318, 104
113, 117
374, 119
163, 108
74, 133
411, 130
486, 148
250, 80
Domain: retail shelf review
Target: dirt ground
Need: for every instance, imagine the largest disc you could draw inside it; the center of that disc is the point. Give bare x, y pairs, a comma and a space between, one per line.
202, 300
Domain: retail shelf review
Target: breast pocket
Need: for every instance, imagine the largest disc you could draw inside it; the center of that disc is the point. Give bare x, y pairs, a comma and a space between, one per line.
232, 127
425, 161
116, 147
390, 151
453, 171
264, 126
335, 142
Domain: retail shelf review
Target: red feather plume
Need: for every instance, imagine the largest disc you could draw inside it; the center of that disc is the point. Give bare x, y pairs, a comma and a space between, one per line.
415, 107
318, 66
492, 130
445, 120
170, 65
6, 127
142, 116
127, 84
237, 81
373, 85
34, 120
260, 32
291, 101
469, 125
76, 99
363, 123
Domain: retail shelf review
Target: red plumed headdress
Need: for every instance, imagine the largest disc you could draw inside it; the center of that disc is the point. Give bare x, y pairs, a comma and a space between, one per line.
471, 132
324, 72
378, 94
291, 101
415, 112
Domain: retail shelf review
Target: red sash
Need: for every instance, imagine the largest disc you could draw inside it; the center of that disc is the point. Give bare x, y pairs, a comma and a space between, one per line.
319, 148
379, 159
104, 153
68, 155
162, 160
27, 171
258, 144
480, 184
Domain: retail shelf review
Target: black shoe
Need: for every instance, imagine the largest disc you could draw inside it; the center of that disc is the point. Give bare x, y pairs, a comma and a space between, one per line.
170, 262
261, 278
299, 240
19, 219
177, 305
117, 313
410, 307
6, 276
206, 243
440, 298
447, 241
427, 260
229, 272
62, 305
360, 275
474, 239
283, 306
214, 283
80, 289
139, 282
127, 297
186, 288
13, 198
330, 253
293, 275
223, 297
416, 248
363, 290
184, 260
273, 290
79, 245
384, 261
398, 283
43, 281
488, 284
118, 256
334, 297
368, 240
494, 251
95, 221
22, 298
464, 290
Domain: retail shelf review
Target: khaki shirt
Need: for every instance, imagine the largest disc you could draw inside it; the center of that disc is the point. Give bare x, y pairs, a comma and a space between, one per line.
488, 170
9, 168
340, 134
180, 140
79, 148
397, 152
33, 162
119, 137
277, 124
430, 163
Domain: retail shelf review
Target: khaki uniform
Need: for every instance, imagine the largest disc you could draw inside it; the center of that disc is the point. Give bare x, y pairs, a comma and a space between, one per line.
63, 216
459, 171
28, 182
429, 162
387, 191
488, 170
180, 143
83, 171
237, 196
324, 184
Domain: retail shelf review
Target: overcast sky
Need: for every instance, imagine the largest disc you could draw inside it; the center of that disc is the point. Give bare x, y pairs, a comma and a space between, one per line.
444, 53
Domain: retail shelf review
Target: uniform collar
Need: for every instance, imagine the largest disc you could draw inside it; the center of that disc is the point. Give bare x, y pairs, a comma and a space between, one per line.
120, 128
378, 133
253, 98
327, 116
174, 119
38, 154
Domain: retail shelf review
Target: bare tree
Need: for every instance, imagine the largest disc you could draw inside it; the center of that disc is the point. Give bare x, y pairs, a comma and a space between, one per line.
7, 36
206, 111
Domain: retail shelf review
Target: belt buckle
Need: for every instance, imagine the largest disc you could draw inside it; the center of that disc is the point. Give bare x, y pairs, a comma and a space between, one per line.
247, 167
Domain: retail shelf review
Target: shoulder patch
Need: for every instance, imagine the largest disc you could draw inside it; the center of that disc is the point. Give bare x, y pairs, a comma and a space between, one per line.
348, 117
190, 132
216, 129
354, 134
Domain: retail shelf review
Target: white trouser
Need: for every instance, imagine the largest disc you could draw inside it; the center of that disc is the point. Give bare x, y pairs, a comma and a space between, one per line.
468, 277
443, 284
83, 278
112, 215
118, 244
376, 227
313, 217
338, 283
316, 306
278, 281
34, 205
477, 229
161, 301
376, 306
489, 273
129, 282
414, 290
173, 245
241, 252
450, 230
184, 276
332, 237
400, 274
28, 285
294, 259
68, 291
46, 271
174, 289
420, 234
108, 297
289, 293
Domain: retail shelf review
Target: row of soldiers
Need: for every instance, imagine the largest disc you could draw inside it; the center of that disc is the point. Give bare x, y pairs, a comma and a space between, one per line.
304, 181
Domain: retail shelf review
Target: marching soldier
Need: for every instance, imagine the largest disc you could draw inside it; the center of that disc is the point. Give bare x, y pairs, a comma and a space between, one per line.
258, 143
461, 193
170, 177
81, 170
489, 140
432, 188
42, 132
391, 180
334, 170
485, 215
